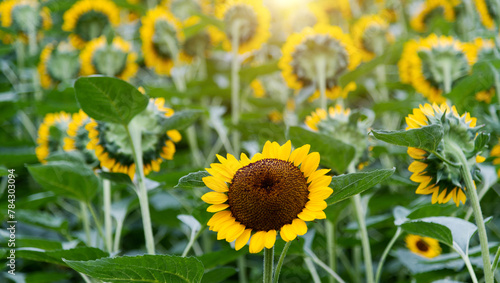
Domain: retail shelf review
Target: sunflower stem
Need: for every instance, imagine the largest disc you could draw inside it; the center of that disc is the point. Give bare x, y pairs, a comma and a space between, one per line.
330, 246
96, 220
135, 137
242, 269
268, 265
312, 270
495, 261
472, 195
86, 223
446, 66
118, 233
235, 85
365, 243
466, 261
384, 255
106, 185
177, 74
321, 73
280, 262
315, 259
445, 160
192, 240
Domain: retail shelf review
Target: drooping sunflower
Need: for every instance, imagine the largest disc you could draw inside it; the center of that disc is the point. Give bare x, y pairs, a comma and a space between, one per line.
51, 134
58, 63
432, 64
88, 19
114, 151
444, 181
253, 20
445, 9
78, 138
197, 45
159, 30
371, 35
487, 13
24, 15
116, 59
322, 43
423, 246
277, 190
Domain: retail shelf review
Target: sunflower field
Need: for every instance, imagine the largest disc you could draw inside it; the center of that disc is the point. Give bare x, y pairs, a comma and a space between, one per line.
250, 141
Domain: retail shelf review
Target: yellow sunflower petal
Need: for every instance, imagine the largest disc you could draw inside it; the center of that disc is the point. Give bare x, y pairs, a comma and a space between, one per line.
242, 240
288, 232
285, 150
310, 164
270, 238
257, 242
316, 205
299, 226
298, 155
217, 207
214, 198
215, 184
235, 231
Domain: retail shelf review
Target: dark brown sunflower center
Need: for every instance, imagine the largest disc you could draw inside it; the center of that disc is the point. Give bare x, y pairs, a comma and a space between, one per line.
267, 194
422, 245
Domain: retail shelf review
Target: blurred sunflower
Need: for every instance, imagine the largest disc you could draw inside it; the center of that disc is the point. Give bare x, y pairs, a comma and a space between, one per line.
114, 151
433, 8
371, 35
51, 134
487, 13
432, 64
423, 246
323, 44
88, 19
197, 45
441, 179
25, 15
483, 49
185, 9
495, 153
78, 138
58, 63
257, 88
337, 11
160, 32
111, 59
250, 18
266, 194
309, 16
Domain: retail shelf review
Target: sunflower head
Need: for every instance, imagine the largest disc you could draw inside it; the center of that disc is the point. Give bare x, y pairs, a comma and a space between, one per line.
433, 64
444, 181
114, 151
371, 35
423, 246
337, 11
245, 19
24, 15
274, 191
51, 134
432, 9
184, 9
302, 17
88, 19
160, 32
302, 52
59, 63
196, 45
77, 137
114, 59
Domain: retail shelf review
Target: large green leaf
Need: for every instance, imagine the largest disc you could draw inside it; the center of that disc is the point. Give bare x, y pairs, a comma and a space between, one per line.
109, 99
192, 180
43, 219
67, 179
146, 268
348, 185
334, 153
181, 119
427, 137
57, 256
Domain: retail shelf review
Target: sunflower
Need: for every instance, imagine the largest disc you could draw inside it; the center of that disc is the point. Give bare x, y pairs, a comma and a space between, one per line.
444, 181
253, 20
77, 136
196, 45
371, 35
266, 194
24, 15
303, 50
309, 16
487, 14
51, 134
432, 64
57, 64
423, 246
495, 153
431, 7
114, 151
88, 19
185, 9
337, 11
111, 59
482, 49
159, 28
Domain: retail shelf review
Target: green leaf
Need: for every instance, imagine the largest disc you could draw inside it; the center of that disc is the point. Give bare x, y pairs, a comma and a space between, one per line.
42, 219
251, 73
481, 140
146, 268
426, 138
118, 178
181, 120
57, 256
334, 153
348, 185
67, 179
218, 274
39, 243
3, 171
109, 99
213, 259
429, 229
192, 180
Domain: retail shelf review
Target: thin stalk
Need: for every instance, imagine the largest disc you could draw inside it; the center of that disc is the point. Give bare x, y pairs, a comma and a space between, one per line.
86, 223
312, 270
28, 125
365, 243
106, 185
316, 260
178, 78
467, 263
442, 158
384, 255
96, 220
191, 242
242, 269
497, 81
268, 265
134, 135
32, 40
118, 233
478, 215
330, 246
280, 262
495, 261
193, 145
235, 85
447, 76
321, 73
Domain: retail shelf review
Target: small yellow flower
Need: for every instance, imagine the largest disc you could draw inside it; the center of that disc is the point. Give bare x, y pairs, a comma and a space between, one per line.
258, 89
87, 19
277, 190
419, 21
423, 246
115, 59
51, 134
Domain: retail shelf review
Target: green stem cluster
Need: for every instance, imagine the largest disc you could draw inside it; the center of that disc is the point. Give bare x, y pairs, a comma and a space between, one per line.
235, 85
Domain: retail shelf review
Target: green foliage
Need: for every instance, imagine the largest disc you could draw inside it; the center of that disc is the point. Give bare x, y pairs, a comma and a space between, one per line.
192, 180
427, 137
60, 257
